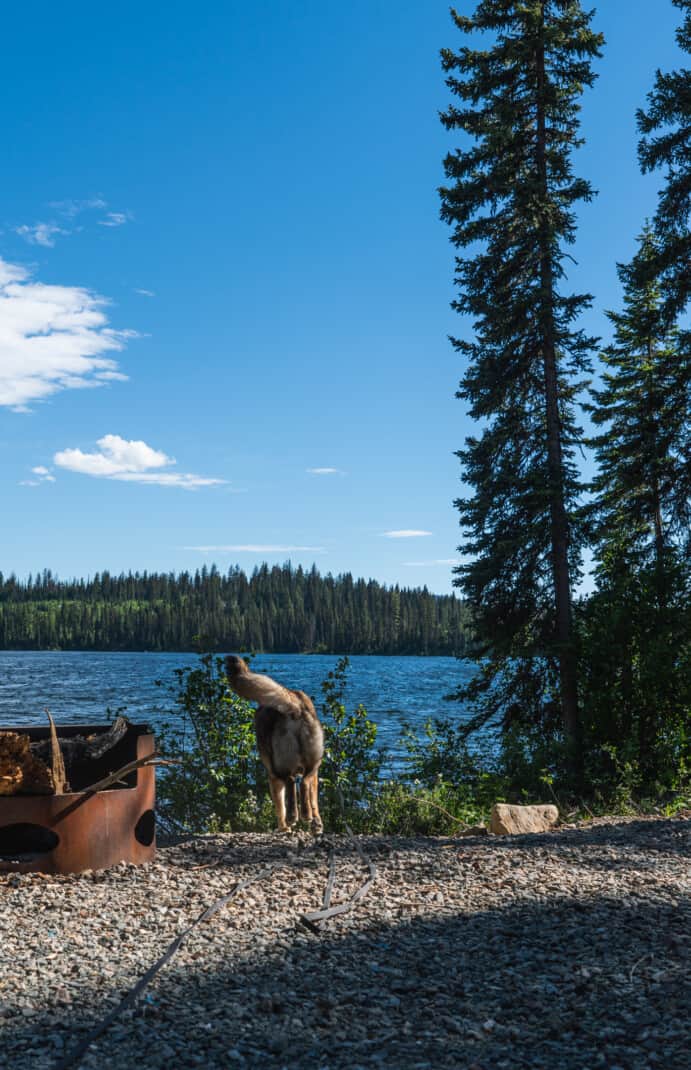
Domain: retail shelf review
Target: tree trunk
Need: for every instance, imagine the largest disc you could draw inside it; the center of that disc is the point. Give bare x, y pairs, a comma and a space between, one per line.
559, 526
655, 485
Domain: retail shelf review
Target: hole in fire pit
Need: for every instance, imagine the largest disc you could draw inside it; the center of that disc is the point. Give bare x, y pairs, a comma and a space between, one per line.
145, 829
24, 840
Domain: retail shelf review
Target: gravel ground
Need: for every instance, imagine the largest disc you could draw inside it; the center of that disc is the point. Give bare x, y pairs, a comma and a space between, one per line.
565, 950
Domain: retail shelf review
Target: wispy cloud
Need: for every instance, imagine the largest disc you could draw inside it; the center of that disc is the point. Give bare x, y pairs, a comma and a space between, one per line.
46, 233
69, 209
115, 219
256, 548
325, 471
42, 474
405, 533
145, 293
52, 338
431, 564
41, 233
130, 461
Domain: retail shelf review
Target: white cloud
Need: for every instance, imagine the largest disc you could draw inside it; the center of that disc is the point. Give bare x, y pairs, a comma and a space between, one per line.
325, 471
429, 564
255, 548
43, 475
45, 234
129, 461
145, 293
115, 219
52, 338
117, 457
72, 208
405, 533
41, 233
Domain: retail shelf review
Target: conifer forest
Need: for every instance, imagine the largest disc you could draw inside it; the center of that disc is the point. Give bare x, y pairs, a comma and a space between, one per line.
586, 686
278, 609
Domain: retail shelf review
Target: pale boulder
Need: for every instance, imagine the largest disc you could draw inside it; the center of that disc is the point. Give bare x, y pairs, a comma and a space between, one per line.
510, 820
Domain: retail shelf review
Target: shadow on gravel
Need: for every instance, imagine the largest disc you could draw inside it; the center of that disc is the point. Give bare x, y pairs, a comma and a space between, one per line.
564, 986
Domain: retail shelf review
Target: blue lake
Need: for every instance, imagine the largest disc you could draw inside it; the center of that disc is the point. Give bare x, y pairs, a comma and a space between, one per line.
80, 687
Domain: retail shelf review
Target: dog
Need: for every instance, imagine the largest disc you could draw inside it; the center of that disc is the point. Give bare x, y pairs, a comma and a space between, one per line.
290, 740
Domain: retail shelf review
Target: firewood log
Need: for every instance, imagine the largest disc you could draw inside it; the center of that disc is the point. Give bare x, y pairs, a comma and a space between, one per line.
83, 748
21, 772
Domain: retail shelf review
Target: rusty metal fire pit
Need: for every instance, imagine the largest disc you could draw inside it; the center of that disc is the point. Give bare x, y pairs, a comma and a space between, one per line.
83, 830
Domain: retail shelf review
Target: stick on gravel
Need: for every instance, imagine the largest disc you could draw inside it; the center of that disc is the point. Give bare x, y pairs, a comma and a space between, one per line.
312, 919
78, 1052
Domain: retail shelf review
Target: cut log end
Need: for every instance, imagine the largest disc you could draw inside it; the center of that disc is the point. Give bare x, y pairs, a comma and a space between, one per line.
21, 773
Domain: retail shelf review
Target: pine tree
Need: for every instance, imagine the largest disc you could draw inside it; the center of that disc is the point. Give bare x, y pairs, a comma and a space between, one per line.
511, 199
666, 143
643, 489
636, 653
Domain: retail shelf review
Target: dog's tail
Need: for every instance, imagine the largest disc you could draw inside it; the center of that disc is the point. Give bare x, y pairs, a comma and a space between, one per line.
261, 689
292, 809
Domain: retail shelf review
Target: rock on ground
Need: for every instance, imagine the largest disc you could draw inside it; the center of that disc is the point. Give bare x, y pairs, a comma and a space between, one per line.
510, 820
569, 949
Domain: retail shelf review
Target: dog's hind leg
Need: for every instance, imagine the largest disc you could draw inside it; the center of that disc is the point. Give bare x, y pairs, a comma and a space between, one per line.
305, 800
312, 790
277, 788
292, 811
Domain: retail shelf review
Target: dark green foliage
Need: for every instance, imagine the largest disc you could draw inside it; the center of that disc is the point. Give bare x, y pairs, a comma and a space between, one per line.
350, 771
510, 200
636, 673
666, 144
278, 609
219, 783
642, 491
636, 627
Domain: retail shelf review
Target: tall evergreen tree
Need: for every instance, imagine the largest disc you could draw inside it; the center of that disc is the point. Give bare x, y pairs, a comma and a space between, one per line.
510, 201
643, 488
636, 653
666, 143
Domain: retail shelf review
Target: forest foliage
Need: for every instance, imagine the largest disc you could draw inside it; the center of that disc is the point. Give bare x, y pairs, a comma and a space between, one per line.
591, 689
275, 609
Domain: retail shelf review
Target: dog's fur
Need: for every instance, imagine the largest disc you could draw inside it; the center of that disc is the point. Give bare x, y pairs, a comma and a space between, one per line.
290, 741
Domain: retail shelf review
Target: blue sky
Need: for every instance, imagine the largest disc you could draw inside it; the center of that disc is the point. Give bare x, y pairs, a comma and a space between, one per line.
226, 286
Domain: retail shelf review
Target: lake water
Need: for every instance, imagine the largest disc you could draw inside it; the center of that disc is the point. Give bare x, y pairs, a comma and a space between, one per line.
80, 687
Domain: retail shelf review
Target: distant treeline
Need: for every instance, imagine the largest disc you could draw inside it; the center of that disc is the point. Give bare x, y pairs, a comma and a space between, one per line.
278, 609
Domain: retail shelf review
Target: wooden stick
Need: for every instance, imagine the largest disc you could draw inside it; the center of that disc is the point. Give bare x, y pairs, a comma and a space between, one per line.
84, 796
326, 903
150, 759
57, 761
80, 1050
310, 921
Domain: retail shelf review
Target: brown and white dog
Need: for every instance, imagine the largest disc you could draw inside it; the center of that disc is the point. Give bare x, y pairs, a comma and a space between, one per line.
290, 741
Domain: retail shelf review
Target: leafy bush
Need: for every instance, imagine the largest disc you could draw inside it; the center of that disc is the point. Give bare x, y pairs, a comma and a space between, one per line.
351, 769
219, 783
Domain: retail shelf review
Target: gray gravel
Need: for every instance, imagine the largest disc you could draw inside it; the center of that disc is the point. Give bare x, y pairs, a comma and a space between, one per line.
565, 950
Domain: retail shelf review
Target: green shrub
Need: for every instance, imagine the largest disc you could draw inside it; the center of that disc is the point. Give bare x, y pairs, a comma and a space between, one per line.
219, 783
349, 778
